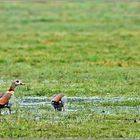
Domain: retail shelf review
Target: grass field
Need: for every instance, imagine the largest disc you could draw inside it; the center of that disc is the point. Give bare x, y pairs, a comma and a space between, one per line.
81, 48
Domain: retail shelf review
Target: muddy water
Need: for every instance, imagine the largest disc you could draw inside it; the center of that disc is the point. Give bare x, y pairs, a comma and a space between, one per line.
82, 103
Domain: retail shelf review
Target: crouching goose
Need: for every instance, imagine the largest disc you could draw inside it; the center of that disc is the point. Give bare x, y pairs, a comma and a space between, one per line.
5, 97
58, 102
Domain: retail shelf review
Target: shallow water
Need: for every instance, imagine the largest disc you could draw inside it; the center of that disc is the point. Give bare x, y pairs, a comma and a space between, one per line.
75, 104
40, 105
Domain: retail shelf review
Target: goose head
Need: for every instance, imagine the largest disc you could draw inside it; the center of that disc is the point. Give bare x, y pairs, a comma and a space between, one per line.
16, 83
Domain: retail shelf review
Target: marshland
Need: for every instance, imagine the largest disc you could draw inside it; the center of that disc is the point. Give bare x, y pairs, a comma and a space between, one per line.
88, 50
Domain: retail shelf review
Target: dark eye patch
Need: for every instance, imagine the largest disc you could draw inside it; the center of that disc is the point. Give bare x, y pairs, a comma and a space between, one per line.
17, 81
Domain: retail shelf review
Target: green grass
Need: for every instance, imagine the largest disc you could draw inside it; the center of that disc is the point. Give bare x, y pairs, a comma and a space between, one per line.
88, 48
72, 125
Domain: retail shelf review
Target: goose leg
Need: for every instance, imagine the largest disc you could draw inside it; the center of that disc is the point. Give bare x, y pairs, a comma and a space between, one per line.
8, 105
9, 110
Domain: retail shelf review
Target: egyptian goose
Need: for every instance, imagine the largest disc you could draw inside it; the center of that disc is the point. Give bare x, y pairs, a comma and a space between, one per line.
5, 97
58, 103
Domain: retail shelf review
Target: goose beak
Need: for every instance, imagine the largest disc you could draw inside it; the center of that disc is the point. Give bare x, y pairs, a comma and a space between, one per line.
22, 83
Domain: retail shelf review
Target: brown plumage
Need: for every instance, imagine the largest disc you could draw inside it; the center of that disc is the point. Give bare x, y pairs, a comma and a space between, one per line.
4, 98
57, 103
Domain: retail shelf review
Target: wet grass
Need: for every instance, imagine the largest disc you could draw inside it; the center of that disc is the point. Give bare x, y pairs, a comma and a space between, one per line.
123, 103
85, 49
75, 124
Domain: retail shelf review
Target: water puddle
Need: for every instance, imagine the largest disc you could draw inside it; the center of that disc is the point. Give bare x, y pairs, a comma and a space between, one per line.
74, 104
40, 105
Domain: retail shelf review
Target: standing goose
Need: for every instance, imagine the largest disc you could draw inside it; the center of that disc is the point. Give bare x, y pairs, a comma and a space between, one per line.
5, 97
